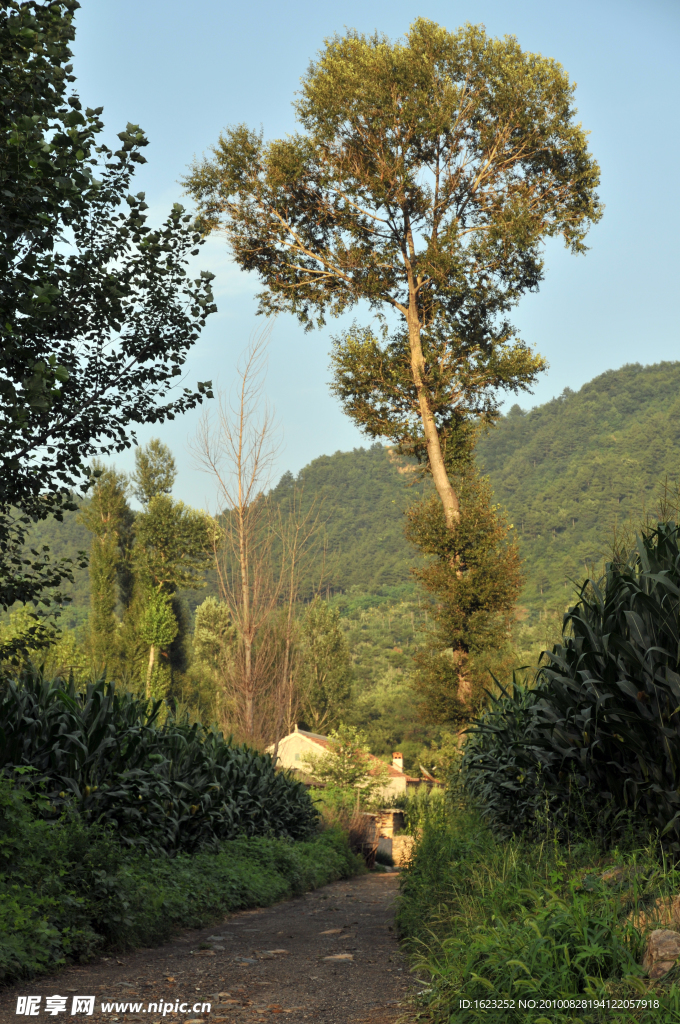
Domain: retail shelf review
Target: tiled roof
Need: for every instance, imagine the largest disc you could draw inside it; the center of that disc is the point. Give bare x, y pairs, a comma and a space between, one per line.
323, 741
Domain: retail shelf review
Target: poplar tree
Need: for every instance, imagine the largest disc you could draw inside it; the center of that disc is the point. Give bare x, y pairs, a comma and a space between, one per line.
158, 629
326, 672
109, 518
173, 546
97, 310
155, 471
474, 576
473, 571
426, 176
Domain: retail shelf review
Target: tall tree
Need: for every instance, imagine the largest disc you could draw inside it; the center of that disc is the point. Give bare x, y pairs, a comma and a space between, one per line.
473, 571
474, 575
155, 471
93, 333
158, 628
214, 644
108, 517
173, 546
425, 179
298, 537
237, 446
372, 378
326, 671
214, 634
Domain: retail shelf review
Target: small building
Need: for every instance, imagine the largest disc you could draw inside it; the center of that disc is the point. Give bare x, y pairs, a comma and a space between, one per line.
299, 744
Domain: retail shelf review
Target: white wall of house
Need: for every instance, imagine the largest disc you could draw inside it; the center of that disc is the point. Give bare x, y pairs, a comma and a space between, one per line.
297, 745
294, 748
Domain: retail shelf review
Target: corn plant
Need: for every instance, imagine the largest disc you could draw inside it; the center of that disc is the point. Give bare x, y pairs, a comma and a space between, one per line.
170, 787
599, 734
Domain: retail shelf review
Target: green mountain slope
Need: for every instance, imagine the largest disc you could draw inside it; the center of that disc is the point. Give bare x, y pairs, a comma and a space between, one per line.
360, 497
566, 472
65, 540
569, 471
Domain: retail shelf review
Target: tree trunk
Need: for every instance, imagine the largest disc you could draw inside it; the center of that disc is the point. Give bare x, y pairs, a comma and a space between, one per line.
248, 708
447, 495
284, 683
152, 658
286, 686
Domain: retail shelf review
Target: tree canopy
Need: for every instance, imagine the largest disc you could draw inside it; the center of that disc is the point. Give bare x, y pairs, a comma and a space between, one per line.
425, 178
174, 545
326, 666
155, 471
97, 311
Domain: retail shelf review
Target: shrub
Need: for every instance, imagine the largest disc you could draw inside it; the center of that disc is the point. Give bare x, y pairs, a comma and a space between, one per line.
57, 888
67, 888
510, 920
164, 787
599, 736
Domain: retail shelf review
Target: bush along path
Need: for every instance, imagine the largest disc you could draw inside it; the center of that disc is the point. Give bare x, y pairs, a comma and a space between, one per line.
164, 786
330, 956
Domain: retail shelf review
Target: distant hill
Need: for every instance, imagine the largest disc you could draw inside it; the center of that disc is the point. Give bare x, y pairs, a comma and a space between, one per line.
570, 470
566, 472
360, 497
65, 540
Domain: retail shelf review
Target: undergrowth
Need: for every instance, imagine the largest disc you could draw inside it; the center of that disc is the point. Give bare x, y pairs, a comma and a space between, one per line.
68, 889
516, 930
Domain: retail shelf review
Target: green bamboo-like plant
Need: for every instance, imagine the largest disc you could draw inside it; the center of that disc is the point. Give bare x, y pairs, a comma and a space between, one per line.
600, 733
168, 787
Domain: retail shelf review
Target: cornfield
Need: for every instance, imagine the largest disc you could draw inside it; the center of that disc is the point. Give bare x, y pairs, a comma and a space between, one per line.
597, 739
163, 787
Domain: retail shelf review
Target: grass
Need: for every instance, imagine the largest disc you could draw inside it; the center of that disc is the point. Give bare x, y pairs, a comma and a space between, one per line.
515, 931
68, 890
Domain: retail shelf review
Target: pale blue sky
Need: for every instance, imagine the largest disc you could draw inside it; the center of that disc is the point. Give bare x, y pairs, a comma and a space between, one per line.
184, 71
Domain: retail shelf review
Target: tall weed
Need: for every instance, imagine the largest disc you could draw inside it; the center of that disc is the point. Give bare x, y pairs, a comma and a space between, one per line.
498, 921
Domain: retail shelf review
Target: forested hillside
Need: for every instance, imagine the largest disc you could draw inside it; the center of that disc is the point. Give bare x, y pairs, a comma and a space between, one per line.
566, 472
572, 469
360, 497
65, 540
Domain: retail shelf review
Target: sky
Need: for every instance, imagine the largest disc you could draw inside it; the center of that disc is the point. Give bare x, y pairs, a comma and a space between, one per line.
183, 71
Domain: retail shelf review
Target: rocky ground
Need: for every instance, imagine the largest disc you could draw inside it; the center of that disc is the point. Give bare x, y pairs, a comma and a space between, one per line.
330, 956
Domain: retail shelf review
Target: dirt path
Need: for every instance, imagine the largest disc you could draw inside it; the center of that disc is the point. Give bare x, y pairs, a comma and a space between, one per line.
330, 956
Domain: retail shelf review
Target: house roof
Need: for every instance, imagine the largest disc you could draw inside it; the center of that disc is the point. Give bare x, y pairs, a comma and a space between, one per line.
323, 741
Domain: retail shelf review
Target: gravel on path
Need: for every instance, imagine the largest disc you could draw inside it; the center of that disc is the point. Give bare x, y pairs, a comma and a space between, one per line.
329, 956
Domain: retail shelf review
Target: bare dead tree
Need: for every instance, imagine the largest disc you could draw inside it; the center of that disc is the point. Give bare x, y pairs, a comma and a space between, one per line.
297, 529
238, 444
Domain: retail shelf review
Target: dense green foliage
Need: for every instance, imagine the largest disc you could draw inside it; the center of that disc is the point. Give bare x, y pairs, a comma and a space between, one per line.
361, 496
488, 919
108, 517
345, 765
558, 470
67, 889
383, 634
571, 470
373, 378
65, 538
325, 671
473, 576
600, 733
165, 787
117, 288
